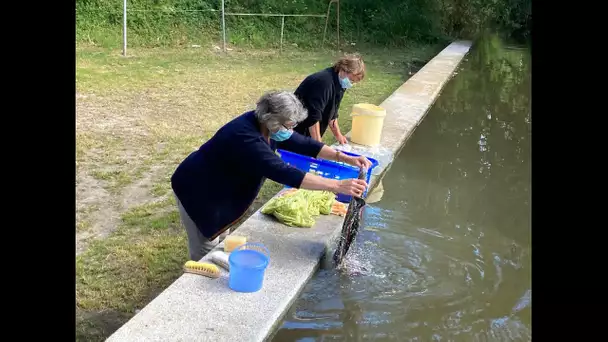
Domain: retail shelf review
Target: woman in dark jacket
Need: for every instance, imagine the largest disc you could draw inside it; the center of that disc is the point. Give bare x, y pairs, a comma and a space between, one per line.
215, 185
322, 92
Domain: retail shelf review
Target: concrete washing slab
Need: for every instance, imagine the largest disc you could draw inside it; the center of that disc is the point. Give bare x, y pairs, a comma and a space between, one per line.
196, 308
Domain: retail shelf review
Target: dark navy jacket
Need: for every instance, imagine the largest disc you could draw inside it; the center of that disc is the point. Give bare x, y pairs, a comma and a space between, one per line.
321, 93
219, 181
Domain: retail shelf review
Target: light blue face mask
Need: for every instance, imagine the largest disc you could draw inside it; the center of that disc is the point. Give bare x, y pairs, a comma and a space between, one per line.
281, 135
345, 83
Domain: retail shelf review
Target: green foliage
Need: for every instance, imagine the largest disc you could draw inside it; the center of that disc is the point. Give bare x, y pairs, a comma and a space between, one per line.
379, 22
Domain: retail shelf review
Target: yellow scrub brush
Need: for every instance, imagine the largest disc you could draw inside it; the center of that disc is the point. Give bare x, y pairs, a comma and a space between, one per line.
202, 268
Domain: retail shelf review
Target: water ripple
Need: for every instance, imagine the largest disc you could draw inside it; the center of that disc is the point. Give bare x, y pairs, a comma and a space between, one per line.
445, 255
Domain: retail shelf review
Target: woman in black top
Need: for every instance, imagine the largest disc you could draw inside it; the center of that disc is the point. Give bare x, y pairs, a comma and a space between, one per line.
321, 94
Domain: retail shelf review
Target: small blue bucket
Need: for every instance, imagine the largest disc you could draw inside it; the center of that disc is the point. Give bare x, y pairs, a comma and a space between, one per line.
248, 264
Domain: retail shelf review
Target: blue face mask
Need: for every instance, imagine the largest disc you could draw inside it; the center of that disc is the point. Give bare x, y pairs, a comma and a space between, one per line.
345, 83
281, 135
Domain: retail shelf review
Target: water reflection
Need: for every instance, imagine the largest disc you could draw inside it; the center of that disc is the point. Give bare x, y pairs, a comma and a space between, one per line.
445, 255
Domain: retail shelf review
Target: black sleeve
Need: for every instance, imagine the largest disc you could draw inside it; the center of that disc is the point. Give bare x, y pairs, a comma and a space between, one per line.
256, 156
300, 144
337, 113
315, 99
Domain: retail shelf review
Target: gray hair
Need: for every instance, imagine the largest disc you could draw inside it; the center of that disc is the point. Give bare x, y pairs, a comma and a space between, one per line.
275, 108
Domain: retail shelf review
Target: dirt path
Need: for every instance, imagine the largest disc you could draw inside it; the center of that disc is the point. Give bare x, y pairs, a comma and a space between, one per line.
115, 169
101, 209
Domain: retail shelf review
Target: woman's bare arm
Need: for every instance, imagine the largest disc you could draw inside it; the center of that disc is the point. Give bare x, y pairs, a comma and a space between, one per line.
351, 187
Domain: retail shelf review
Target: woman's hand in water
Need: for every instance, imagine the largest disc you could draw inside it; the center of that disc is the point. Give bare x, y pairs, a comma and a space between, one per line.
352, 187
359, 162
341, 139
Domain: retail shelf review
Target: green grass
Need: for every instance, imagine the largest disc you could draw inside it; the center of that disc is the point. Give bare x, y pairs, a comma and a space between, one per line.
137, 118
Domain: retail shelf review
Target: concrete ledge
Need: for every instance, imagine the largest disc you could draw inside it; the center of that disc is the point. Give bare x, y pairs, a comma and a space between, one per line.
196, 308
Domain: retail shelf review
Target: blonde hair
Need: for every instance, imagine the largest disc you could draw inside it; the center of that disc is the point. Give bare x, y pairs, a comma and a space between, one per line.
351, 63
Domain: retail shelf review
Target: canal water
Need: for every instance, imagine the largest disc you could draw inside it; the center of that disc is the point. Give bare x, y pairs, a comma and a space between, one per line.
445, 255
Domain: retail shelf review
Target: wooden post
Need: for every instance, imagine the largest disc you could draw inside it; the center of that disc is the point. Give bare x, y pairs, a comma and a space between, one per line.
223, 27
124, 28
282, 27
338, 22
326, 20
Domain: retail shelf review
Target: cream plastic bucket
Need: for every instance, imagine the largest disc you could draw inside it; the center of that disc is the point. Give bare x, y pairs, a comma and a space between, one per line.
368, 120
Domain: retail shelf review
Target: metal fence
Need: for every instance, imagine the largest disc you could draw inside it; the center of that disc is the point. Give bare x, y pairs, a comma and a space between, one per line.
223, 22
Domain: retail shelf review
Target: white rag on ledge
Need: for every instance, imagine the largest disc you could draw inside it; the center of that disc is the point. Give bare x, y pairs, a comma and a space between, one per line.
383, 155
